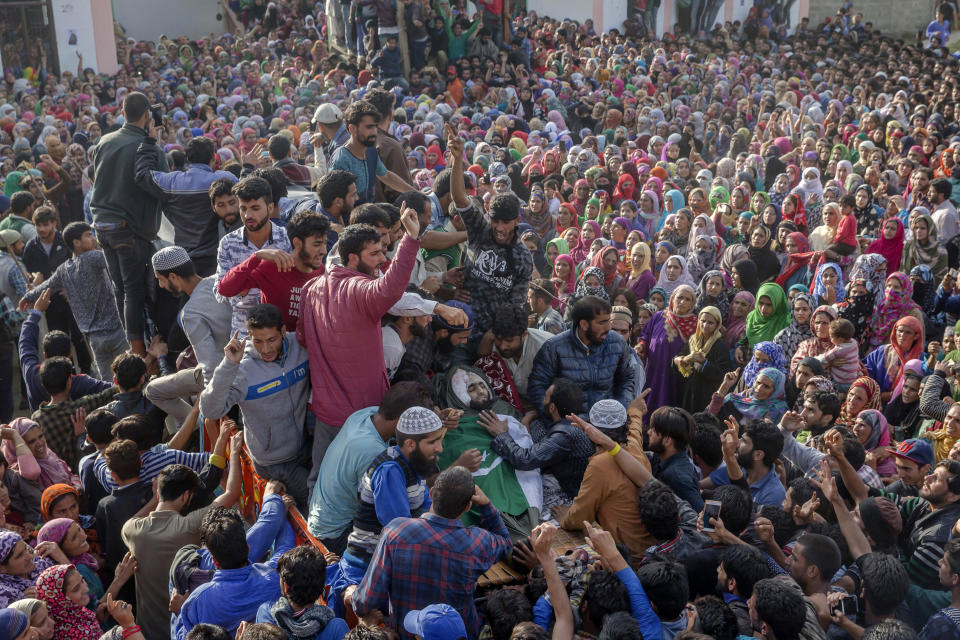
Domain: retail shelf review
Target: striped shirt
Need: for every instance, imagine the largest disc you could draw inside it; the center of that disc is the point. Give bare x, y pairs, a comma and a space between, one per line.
152, 462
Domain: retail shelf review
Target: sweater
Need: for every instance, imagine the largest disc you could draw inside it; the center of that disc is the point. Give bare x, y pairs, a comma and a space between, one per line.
279, 288
206, 320
340, 326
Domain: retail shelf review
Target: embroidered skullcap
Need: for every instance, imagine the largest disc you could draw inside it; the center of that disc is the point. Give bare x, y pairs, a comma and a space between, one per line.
417, 421
608, 414
170, 258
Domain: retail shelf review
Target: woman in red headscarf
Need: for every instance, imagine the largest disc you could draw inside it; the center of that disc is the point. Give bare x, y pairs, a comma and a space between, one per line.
608, 261
625, 188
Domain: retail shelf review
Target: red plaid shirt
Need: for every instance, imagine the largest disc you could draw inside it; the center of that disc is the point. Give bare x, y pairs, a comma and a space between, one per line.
431, 560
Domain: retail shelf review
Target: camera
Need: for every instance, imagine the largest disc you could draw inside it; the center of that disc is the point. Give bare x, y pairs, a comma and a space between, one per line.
156, 110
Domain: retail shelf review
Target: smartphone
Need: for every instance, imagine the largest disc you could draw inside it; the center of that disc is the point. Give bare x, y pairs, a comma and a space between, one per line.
952, 273
157, 111
711, 509
847, 606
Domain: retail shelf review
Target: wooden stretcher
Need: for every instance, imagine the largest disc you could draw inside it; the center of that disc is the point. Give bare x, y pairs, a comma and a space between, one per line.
503, 573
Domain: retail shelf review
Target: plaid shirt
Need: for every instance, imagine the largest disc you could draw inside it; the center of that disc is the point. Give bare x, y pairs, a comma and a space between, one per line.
54, 421
428, 560
234, 249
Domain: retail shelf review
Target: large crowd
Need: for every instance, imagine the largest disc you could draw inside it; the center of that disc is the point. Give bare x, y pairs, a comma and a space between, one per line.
376, 321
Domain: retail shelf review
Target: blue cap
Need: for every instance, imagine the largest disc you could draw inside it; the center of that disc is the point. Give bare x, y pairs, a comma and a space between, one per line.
457, 304
435, 622
916, 450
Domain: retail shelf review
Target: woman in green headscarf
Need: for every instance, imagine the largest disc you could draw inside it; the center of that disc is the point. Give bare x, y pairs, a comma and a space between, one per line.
718, 194
770, 315
556, 247
12, 183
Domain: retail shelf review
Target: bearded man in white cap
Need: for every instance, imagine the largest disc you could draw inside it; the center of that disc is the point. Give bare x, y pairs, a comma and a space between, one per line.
393, 487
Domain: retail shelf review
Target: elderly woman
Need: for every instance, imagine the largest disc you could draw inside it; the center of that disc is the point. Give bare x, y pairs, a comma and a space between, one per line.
886, 363
702, 361
19, 567
662, 340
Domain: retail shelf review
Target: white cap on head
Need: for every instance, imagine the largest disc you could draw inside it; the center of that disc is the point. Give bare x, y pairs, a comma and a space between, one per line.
417, 421
170, 258
608, 414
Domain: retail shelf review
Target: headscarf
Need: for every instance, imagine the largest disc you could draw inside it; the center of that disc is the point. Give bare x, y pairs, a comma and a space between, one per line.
561, 246
872, 268
868, 222
892, 250
731, 255
570, 285
896, 358
773, 407
12, 587
637, 267
766, 261
583, 289
747, 271
929, 253
806, 188
597, 261
796, 261
701, 344
777, 361
857, 309
925, 291
891, 308
721, 302
52, 469
879, 430
676, 324
53, 493
764, 329
684, 278
737, 326
796, 332
55, 530
702, 260
12, 623
873, 399
580, 252
819, 290
70, 620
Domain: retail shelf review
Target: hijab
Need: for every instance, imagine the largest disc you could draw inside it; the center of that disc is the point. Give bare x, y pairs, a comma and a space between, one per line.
12, 587
737, 326
924, 291
892, 250
768, 266
873, 268
806, 188
765, 329
53, 470
597, 261
773, 407
896, 357
873, 399
857, 309
892, 307
570, 284
868, 222
55, 530
583, 289
879, 429
789, 338
777, 361
721, 302
700, 343
12, 623
819, 290
675, 324
684, 278
70, 620
748, 275
580, 252
562, 248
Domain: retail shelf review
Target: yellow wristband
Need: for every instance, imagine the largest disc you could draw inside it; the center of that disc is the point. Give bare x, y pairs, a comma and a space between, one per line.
218, 461
615, 450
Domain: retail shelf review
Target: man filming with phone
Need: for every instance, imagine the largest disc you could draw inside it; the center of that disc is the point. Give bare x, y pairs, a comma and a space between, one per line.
125, 218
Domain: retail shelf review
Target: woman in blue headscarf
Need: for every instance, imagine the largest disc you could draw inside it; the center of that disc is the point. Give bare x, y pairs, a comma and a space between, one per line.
827, 285
765, 399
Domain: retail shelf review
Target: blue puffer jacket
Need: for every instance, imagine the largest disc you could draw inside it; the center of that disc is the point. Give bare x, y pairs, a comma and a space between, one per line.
603, 371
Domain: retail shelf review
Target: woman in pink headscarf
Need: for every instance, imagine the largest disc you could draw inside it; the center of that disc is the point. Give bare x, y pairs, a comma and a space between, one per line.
26, 451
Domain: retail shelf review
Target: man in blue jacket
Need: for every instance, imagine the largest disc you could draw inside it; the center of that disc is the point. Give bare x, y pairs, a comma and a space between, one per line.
238, 588
589, 354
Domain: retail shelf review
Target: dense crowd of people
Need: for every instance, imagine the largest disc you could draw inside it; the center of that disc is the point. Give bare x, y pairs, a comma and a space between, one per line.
378, 321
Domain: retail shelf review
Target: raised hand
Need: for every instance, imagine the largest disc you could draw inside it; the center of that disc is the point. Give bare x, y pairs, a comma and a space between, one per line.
235, 348
494, 425
410, 222
42, 303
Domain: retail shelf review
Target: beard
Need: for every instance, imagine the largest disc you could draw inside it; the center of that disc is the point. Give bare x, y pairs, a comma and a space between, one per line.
481, 405
745, 459
417, 330
657, 447
370, 142
596, 338
444, 346
423, 466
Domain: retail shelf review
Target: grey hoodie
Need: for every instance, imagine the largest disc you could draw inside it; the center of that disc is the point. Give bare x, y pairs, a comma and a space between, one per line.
272, 396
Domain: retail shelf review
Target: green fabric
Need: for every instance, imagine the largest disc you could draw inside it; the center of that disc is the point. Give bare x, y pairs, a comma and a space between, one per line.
495, 476
13, 222
760, 329
561, 246
12, 183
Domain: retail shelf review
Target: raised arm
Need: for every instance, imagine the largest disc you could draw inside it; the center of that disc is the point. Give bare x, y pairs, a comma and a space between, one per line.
541, 538
229, 497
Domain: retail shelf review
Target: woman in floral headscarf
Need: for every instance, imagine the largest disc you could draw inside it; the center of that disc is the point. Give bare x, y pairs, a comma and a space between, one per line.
765, 354
864, 393
19, 566
661, 341
591, 284
924, 248
764, 400
885, 364
66, 594
72, 543
897, 303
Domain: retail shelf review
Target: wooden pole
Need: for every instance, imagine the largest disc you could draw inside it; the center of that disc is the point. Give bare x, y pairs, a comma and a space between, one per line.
404, 46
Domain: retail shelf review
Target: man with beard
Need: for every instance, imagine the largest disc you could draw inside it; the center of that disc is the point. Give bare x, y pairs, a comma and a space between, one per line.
597, 359
432, 350
280, 276
359, 155
759, 446
206, 323
409, 319
339, 323
268, 379
256, 208
560, 450
393, 487
671, 430
225, 207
